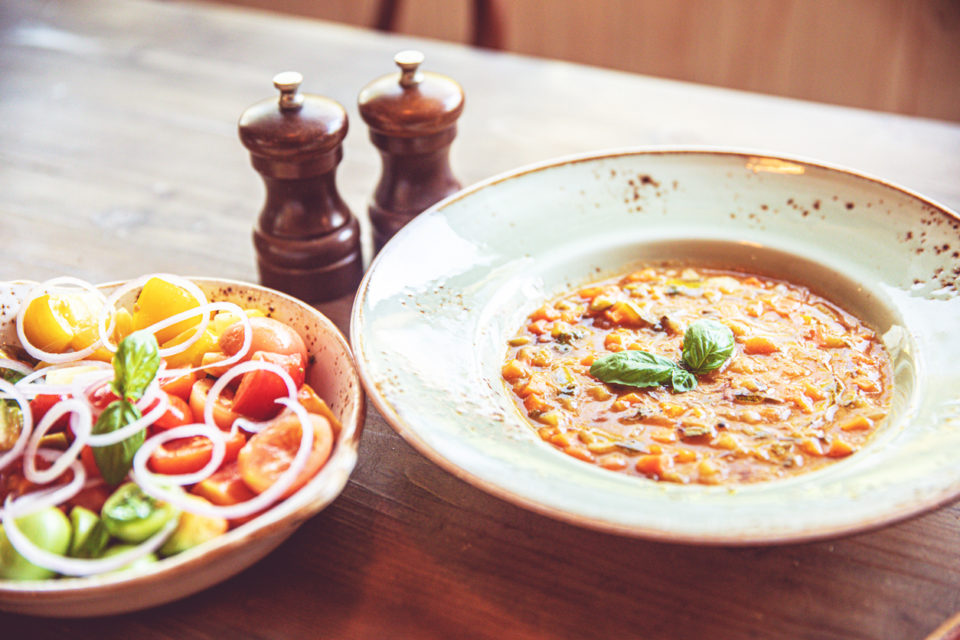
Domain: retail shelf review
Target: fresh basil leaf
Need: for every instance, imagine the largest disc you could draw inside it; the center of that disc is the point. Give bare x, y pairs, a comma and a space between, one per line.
115, 460
707, 344
682, 380
135, 365
633, 368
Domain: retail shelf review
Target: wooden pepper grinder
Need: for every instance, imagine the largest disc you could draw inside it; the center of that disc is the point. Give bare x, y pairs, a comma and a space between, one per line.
412, 117
307, 241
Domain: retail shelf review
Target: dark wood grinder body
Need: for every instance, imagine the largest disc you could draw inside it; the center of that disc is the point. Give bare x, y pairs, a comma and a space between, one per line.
412, 117
306, 239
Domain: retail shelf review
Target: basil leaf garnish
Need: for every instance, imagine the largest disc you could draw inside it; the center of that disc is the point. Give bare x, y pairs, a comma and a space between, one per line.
707, 344
135, 365
115, 460
641, 369
682, 380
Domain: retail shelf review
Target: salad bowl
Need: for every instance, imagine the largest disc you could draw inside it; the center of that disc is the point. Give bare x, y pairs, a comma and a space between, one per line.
333, 376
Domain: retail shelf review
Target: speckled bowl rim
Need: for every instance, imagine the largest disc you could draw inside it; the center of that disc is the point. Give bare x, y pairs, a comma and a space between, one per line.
410, 433
280, 521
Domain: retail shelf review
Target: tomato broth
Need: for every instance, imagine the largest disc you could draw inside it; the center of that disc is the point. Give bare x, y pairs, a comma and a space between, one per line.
736, 378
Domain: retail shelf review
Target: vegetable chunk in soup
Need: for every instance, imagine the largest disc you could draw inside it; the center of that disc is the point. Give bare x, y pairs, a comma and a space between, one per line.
702, 375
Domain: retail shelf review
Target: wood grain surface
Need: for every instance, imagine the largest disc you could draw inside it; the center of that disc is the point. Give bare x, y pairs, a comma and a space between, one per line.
119, 155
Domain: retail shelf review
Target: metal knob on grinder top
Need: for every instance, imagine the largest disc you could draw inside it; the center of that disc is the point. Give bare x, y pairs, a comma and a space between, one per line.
412, 115
306, 239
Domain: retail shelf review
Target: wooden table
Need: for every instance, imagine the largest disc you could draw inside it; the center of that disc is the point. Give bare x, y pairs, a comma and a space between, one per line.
119, 155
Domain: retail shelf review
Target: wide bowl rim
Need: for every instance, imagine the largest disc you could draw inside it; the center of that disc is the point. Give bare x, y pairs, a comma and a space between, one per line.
410, 435
284, 517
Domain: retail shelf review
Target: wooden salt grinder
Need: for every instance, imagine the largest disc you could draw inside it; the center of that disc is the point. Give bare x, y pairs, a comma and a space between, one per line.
412, 117
307, 241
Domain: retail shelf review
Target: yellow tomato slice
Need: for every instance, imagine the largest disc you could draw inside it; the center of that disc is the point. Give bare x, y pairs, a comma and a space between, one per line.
225, 319
45, 324
192, 355
159, 300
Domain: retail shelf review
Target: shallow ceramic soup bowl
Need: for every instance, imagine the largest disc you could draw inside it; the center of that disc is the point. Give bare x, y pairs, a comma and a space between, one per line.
434, 313
335, 379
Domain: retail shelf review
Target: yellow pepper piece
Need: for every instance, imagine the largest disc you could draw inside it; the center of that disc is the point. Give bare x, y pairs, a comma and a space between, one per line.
159, 300
45, 324
192, 355
224, 319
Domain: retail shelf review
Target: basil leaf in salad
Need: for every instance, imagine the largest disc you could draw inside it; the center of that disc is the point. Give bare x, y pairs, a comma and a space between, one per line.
707, 344
641, 369
135, 365
115, 460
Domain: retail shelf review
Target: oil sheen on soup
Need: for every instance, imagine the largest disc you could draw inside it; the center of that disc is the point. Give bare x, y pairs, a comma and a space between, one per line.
804, 383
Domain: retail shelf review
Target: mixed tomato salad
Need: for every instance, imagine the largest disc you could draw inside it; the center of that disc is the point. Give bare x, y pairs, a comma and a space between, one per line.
129, 434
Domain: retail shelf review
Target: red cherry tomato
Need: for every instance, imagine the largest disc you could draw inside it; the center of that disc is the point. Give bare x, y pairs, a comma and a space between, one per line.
179, 413
187, 455
226, 487
256, 396
268, 335
89, 462
223, 413
181, 385
41, 404
91, 498
102, 396
269, 452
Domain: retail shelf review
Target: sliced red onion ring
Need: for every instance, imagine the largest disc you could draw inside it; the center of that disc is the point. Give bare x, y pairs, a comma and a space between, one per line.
212, 433
81, 431
76, 566
51, 496
36, 292
148, 481
9, 391
239, 370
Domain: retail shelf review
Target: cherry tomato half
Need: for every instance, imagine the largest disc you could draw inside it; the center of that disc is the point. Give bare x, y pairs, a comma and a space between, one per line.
187, 455
223, 413
225, 487
269, 452
180, 386
268, 335
102, 396
256, 396
179, 413
42, 403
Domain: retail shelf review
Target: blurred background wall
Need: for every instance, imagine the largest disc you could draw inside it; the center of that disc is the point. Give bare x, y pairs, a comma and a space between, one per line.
891, 55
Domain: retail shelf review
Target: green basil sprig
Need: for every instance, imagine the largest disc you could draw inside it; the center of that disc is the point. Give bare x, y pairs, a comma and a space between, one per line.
135, 365
642, 369
707, 344
115, 460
